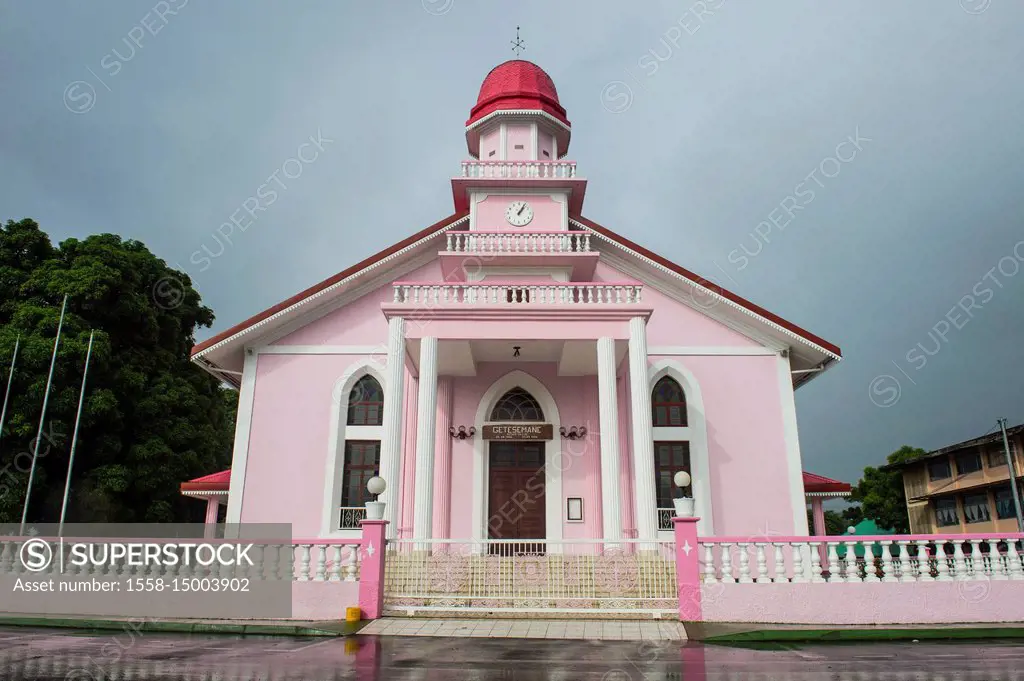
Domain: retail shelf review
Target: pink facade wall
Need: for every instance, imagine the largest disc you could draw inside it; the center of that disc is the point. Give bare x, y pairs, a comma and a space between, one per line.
289, 439
674, 323
361, 322
323, 600
490, 212
518, 135
746, 443
545, 143
288, 442
489, 145
865, 603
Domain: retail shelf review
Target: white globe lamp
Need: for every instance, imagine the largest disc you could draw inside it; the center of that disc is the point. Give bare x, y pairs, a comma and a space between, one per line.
375, 509
684, 505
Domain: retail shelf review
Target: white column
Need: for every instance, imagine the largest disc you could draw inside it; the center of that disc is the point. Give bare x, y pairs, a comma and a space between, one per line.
643, 435
443, 472
611, 510
391, 441
426, 422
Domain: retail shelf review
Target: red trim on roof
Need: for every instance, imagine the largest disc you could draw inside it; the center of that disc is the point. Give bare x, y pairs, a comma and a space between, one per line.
437, 226
215, 482
819, 483
756, 309
326, 283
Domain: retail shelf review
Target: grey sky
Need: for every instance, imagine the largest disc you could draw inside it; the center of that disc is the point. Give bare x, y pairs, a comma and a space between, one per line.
733, 117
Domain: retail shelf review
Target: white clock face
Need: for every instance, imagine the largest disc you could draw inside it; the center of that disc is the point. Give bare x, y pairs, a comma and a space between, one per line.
519, 213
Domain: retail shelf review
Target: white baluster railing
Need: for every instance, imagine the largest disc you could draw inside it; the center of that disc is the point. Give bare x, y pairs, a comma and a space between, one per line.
890, 559
314, 560
432, 295
515, 170
498, 243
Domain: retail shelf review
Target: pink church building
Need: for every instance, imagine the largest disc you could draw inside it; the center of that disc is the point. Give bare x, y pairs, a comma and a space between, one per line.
517, 371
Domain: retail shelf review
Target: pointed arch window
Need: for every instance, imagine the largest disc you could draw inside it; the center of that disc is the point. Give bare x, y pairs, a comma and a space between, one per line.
517, 405
366, 403
361, 459
668, 404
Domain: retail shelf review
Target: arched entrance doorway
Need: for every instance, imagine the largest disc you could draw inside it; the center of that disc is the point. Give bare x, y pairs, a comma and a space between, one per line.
515, 463
516, 480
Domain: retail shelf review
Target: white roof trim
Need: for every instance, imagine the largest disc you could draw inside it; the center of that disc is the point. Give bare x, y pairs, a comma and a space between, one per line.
826, 494
717, 296
329, 289
203, 493
519, 112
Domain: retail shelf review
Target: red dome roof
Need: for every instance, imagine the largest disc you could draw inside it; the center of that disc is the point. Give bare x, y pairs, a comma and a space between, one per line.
517, 84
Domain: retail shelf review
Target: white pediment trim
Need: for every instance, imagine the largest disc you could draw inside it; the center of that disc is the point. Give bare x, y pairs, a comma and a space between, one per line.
703, 291
385, 263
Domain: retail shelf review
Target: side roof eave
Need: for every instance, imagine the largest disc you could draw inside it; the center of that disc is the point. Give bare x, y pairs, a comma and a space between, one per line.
234, 335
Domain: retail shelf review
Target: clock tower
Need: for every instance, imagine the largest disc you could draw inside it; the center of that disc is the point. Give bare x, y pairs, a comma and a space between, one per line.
516, 178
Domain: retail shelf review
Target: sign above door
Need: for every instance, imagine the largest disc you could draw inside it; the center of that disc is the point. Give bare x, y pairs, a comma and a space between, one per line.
519, 431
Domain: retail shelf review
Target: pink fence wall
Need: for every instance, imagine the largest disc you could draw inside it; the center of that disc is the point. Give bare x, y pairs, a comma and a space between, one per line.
865, 603
323, 600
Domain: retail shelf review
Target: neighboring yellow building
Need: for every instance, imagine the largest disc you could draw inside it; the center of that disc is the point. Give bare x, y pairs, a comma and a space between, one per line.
963, 487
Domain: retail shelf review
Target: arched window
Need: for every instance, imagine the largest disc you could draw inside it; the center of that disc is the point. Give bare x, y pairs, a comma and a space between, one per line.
668, 403
517, 405
671, 454
362, 449
366, 403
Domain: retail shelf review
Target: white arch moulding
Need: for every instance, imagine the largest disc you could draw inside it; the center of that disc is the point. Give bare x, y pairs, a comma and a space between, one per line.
340, 431
696, 433
552, 455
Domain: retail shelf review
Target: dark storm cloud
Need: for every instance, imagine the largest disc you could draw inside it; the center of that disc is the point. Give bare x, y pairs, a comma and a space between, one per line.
696, 124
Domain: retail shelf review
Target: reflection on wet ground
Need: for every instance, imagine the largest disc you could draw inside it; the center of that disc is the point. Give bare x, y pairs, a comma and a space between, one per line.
27, 654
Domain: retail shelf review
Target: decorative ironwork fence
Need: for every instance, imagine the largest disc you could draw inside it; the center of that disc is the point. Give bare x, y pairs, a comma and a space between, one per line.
506, 575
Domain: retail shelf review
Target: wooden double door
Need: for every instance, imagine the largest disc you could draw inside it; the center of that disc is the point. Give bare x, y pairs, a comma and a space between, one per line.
515, 496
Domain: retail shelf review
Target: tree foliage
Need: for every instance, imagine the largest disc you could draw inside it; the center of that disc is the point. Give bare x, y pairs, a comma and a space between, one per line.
151, 418
881, 494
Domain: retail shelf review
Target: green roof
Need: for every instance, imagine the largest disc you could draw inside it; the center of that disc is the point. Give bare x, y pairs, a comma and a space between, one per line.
868, 527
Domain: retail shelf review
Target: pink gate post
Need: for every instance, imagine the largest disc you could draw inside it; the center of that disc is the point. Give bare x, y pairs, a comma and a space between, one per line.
688, 569
371, 569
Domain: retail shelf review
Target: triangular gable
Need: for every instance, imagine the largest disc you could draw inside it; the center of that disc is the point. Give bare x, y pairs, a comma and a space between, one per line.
821, 352
201, 351
708, 287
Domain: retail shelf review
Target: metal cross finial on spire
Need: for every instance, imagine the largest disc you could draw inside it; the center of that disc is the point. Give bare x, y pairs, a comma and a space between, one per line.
517, 45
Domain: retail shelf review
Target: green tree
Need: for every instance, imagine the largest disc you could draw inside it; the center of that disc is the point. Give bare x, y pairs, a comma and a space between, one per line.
881, 494
151, 418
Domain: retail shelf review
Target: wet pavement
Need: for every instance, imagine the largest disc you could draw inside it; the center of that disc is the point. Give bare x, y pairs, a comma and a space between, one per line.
122, 656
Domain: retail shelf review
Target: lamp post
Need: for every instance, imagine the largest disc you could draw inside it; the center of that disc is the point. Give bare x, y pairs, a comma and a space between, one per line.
376, 487
684, 505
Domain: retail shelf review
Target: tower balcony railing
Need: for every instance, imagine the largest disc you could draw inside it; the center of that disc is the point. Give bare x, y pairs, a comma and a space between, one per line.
608, 293
518, 242
502, 170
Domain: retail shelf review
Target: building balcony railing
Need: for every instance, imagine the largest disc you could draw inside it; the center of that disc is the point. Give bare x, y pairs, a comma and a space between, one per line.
517, 294
518, 242
526, 170
350, 517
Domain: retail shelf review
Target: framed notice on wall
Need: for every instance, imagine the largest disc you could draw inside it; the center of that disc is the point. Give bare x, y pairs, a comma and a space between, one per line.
574, 509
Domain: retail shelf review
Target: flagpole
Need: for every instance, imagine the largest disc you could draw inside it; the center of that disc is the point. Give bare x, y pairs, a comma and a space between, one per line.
42, 417
10, 376
74, 437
